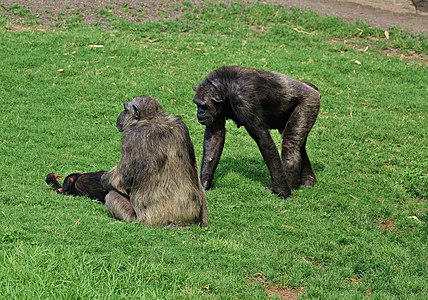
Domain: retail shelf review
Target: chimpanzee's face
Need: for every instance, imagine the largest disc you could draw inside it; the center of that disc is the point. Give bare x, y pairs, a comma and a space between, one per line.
208, 104
123, 116
129, 115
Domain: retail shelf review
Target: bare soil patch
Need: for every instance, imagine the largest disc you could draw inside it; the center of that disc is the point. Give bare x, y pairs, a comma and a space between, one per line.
365, 45
283, 292
48, 12
381, 15
386, 224
272, 289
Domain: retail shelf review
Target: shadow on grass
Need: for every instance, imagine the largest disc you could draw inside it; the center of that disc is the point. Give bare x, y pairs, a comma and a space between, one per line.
251, 168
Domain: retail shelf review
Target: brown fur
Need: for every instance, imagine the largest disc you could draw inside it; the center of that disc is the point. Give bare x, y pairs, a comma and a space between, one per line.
156, 180
79, 184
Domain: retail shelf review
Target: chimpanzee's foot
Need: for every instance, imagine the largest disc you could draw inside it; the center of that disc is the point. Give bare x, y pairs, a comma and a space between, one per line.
283, 192
52, 180
308, 181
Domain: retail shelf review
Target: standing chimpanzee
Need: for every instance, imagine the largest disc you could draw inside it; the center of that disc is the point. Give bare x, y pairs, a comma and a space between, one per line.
156, 181
259, 101
79, 184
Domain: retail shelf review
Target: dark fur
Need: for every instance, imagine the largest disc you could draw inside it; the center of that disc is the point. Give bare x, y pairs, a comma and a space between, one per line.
420, 5
259, 101
79, 184
156, 181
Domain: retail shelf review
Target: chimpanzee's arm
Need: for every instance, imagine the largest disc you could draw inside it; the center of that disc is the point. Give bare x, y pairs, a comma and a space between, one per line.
213, 146
112, 180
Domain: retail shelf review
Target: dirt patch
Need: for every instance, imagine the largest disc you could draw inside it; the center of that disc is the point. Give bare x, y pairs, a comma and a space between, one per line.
382, 15
272, 289
46, 13
283, 292
386, 224
368, 44
51, 12
410, 55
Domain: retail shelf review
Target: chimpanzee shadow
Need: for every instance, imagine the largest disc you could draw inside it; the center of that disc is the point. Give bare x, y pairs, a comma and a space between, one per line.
252, 168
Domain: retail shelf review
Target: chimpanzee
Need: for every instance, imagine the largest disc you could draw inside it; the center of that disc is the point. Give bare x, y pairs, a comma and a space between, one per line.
156, 181
79, 184
259, 100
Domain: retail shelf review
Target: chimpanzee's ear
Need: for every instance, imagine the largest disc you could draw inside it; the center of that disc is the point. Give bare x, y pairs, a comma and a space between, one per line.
217, 99
136, 114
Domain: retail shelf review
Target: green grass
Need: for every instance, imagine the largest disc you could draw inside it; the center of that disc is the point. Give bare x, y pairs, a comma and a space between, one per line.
60, 97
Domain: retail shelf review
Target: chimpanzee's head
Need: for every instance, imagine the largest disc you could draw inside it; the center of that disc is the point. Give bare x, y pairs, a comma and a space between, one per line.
140, 108
208, 100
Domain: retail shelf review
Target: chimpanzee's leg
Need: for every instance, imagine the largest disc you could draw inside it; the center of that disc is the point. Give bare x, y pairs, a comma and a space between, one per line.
294, 157
120, 207
307, 176
271, 157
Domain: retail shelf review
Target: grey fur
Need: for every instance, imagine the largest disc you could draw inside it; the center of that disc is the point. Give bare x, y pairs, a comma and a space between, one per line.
156, 180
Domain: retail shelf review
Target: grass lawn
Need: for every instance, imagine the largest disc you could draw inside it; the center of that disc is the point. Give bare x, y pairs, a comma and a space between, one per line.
361, 232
